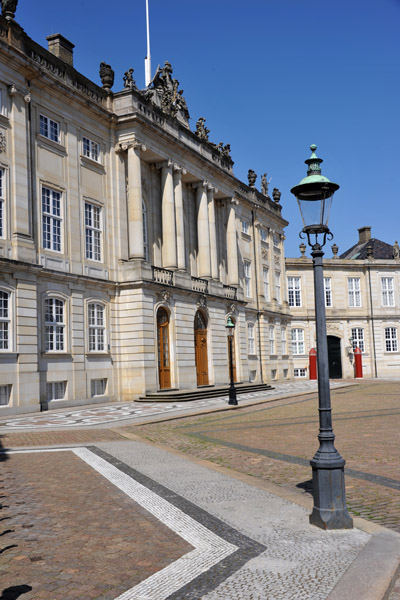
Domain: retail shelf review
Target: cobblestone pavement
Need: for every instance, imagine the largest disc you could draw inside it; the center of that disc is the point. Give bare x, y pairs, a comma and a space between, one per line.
131, 411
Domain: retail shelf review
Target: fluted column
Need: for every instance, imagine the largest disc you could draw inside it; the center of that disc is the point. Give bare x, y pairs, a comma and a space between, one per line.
231, 245
203, 231
180, 225
134, 198
213, 235
168, 216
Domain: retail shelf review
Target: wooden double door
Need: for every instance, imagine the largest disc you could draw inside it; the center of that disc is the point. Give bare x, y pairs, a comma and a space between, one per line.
200, 345
164, 367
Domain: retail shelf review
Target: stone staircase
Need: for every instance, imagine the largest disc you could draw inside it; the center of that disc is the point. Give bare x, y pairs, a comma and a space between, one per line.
202, 393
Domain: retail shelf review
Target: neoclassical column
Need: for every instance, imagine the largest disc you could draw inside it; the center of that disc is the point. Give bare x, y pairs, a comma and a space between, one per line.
180, 225
168, 216
231, 245
134, 196
203, 230
213, 236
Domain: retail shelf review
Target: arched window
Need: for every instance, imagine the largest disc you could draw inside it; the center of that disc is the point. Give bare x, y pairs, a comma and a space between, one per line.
96, 323
5, 321
54, 321
145, 236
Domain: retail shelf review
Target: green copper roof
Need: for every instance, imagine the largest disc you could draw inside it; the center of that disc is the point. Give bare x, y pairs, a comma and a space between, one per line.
314, 176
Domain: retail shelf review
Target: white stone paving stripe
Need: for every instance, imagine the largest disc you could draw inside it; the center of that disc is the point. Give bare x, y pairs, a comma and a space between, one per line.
209, 549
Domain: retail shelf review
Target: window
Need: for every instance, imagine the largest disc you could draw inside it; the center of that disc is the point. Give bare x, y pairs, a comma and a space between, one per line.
5, 393
54, 325
96, 327
5, 321
250, 337
298, 341
247, 278
276, 240
294, 291
98, 387
387, 291
357, 337
56, 390
91, 149
391, 339
49, 128
328, 291
354, 291
263, 235
271, 339
51, 219
283, 340
145, 237
92, 231
273, 374
2, 202
266, 282
245, 227
278, 286
300, 372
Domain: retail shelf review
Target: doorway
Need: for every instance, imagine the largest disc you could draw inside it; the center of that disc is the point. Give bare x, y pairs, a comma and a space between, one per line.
233, 359
200, 344
164, 370
334, 357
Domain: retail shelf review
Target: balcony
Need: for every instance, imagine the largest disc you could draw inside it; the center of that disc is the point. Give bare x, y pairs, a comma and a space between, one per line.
230, 292
200, 285
162, 276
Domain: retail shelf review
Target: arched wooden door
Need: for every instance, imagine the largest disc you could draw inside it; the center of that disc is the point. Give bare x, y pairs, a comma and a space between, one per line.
233, 359
164, 371
200, 344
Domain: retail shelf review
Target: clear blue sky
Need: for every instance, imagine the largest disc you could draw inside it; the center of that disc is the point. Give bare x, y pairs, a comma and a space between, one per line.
271, 77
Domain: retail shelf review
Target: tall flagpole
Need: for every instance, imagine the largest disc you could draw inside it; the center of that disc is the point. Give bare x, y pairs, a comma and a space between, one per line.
147, 60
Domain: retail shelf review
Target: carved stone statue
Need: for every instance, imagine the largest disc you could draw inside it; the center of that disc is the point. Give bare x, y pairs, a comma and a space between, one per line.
252, 176
396, 250
201, 130
8, 8
226, 151
276, 194
335, 250
106, 76
165, 93
264, 184
129, 82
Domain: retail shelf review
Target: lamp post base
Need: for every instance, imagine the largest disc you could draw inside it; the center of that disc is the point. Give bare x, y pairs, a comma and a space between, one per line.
330, 510
232, 396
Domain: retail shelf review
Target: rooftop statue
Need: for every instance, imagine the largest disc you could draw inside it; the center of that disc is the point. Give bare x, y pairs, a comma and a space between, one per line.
252, 176
8, 8
276, 194
165, 93
201, 130
129, 82
106, 76
396, 250
264, 184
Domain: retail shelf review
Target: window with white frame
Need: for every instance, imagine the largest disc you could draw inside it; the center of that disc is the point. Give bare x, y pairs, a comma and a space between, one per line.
96, 323
300, 372
247, 278
283, 340
245, 227
294, 291
5, 393
271, 339
5, 321
278, 286
98, 387
266, 282
391, 339
145, 236
250, 338
298, 341
90, 149
276, 238
387, 284
263, 235
2, 202
51, 219
49, 128
354, 291
55, 390
54, 323
357, 338
328, 291
93, 231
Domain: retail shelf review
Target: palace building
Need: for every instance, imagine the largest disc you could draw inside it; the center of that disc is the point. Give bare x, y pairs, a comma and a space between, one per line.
126, 241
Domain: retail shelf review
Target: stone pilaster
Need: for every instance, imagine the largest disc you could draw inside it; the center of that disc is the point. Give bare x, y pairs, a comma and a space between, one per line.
180, 225
169, 259
213, 235
231, 244
203, 231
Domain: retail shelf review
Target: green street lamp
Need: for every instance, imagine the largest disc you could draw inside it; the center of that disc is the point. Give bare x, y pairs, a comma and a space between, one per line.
230, 329
314, 195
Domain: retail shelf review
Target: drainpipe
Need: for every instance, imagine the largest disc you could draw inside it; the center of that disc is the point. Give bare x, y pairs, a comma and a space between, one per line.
372, 319
253, 219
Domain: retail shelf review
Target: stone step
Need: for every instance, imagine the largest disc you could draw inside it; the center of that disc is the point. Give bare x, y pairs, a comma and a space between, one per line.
202, 393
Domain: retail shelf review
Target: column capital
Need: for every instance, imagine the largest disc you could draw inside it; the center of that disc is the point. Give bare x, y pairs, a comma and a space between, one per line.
164, 164
131, 143
178, 169
199, 184
234, 201
212, 189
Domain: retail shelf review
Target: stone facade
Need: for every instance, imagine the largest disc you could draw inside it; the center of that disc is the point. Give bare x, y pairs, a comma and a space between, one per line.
362, 296
120, 230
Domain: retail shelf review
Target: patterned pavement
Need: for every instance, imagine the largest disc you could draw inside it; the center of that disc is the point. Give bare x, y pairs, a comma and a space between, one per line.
131, 411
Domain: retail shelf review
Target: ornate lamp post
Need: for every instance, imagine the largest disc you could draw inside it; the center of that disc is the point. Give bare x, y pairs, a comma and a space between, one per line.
230, 328
314, 195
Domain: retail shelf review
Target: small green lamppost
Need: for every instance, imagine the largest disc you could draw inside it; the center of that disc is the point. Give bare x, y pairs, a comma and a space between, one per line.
314, 195
230, 328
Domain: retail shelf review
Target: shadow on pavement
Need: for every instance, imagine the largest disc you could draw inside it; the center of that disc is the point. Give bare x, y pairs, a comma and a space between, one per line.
304, 485
14, 592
